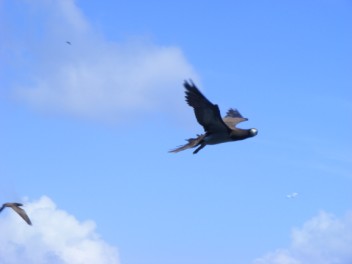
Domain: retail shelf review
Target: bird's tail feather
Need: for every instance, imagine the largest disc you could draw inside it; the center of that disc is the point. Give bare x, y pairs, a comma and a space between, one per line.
192, 142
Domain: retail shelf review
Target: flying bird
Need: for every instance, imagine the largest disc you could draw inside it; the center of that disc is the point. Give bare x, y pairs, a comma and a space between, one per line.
68, 42
17, 209
217, 129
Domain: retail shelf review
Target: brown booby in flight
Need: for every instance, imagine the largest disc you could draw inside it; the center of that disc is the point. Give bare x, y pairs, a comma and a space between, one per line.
217, 129
17, 209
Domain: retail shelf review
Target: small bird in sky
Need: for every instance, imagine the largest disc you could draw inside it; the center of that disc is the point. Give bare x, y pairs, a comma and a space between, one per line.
17, 209
292, 195
68, 42
217, 129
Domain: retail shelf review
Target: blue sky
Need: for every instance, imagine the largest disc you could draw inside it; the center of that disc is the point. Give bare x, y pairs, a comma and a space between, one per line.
85, 130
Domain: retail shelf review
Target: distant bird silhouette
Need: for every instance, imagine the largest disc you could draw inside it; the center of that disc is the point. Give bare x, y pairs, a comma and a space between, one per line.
68, 42
217, 130
17, 209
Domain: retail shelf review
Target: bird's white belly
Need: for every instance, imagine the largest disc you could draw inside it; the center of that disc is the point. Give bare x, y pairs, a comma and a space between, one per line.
217, 138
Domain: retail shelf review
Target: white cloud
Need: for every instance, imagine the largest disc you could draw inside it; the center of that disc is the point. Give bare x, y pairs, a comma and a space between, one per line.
56, 237
94, 77
325, 239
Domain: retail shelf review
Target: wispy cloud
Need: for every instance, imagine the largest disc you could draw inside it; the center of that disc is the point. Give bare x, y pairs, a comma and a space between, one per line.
55, 237
95, 77
324, 239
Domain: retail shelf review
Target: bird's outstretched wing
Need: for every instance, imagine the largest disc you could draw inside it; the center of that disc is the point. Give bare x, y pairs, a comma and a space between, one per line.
207, 114
22, 213
233, 117
16, 207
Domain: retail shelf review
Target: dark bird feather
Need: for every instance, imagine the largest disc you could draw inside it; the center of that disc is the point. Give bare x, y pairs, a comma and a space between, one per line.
217, 129
16, 207
207, 114
233, 117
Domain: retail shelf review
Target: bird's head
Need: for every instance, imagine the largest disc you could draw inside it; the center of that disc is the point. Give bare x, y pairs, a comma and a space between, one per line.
253, 132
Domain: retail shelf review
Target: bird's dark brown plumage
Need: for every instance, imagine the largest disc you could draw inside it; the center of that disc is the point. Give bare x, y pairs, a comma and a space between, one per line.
217, 129
207, 114
18, 210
